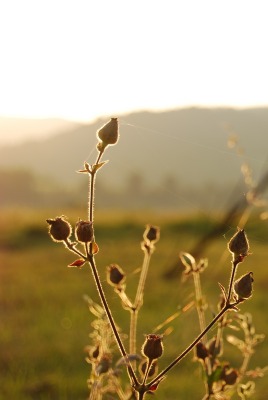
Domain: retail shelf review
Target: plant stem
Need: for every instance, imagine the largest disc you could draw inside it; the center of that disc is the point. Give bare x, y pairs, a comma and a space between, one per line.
148, 366
234, 265
138, 300
91, 195
72, 248
140, 290
91, 260
110, 318
245, 363
133, 331
199, 303
192, 345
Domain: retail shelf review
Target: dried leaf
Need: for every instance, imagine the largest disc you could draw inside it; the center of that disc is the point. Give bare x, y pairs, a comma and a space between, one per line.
77, 263
95, 248
154, 386
96, 167
223, 290
188, 261
86, 168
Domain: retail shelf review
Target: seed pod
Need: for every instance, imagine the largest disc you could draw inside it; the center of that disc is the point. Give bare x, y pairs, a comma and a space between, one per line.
201, 351
152, 347
229, 376
59, 229
108, 134
151, 234
84, 231
115, 275
212, 349
104, 365
95, 352
238, 244
243, 286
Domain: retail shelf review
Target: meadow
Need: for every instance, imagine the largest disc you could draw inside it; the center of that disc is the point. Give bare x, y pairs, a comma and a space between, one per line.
45, 321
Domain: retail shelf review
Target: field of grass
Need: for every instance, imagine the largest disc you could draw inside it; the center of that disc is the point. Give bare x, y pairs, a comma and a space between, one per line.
45, 322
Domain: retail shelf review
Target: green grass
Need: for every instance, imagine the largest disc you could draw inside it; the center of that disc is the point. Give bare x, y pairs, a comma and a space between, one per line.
45, 322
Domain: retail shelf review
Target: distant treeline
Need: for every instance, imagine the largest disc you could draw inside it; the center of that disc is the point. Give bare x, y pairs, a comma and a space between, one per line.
24, 188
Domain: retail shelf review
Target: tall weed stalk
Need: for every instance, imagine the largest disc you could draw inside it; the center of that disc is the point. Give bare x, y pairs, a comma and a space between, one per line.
221, 380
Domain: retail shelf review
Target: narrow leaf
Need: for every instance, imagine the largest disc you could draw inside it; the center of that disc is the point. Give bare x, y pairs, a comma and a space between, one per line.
223, 290
95, 248
87, 169
77, 263
95, 167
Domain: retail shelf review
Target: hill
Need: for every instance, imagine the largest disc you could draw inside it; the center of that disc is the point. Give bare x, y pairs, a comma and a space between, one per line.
187, 146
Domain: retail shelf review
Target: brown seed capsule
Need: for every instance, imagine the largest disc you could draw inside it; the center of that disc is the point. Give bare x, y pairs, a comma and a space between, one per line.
152, 347
229, 376
201, 351
238, 244
104, 365
84, 231
108, 133
151, 233
59, 229
243, 286
115, 275
215, 347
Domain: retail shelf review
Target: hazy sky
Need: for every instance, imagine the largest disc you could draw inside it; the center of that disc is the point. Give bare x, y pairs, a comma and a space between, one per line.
79, 59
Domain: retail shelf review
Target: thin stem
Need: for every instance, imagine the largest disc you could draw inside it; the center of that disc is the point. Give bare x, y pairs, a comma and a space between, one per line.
133, 331
218, 339
110, 317
247, 354
141, 395
91, 260
202, 321
245, 363
234, 266
140, 290
199, 303
70, 246
148, 367
91, 195
192, 345
138, 300
124, 298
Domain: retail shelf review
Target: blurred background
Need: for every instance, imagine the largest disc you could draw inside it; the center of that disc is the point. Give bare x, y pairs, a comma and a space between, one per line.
188, 82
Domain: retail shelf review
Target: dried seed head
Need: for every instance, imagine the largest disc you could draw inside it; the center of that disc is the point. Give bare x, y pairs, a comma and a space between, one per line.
151, 234
95, 352
215, 347
229, 376
201, 351
104, 365
115, 275
152, 347
108, 133
59, 229
238, 244
243, 286
84, 231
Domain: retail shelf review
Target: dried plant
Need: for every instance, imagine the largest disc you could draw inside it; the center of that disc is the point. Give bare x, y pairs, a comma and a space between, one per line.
221, 379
